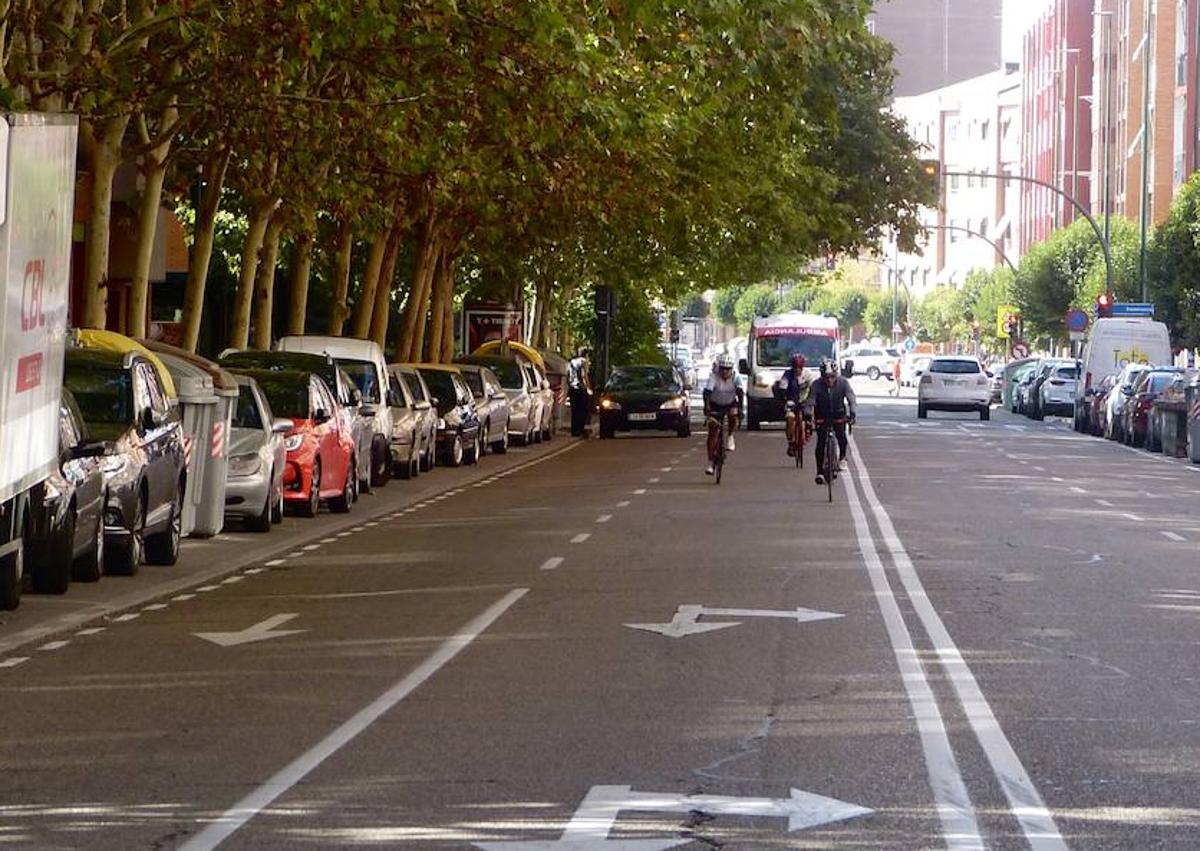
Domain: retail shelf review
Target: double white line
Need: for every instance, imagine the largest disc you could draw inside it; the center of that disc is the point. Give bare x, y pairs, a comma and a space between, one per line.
957, 813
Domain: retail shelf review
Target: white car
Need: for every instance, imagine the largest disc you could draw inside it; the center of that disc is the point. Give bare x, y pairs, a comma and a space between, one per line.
1058, 390
912, 368
872, 361
954, 384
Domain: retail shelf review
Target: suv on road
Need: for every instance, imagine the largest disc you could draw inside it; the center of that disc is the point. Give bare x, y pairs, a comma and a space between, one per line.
124, 402
954, 384
872, 361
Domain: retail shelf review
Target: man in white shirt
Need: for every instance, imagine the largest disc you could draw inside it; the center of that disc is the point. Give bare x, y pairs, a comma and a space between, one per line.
722, 394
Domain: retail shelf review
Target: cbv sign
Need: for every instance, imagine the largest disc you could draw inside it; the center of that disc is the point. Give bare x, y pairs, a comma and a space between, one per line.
1133, 309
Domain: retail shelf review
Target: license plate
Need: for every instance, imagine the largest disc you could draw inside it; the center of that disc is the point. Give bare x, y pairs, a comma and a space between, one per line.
642, 418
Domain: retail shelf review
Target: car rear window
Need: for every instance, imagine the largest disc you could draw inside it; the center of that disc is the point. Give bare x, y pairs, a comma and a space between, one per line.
1159, 382
1069, 372
246, 414
954, 367
474, 382
365, 377
287, 397
104, 394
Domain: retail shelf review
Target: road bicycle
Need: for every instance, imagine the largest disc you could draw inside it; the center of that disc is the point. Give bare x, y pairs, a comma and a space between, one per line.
800, 437
831, 450
718, 460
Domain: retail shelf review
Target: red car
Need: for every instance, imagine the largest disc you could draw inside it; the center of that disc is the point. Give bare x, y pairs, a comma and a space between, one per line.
320, 449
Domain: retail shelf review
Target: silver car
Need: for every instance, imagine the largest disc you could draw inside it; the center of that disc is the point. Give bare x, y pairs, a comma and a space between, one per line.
491, 405
517, 381
254, 483
417, 397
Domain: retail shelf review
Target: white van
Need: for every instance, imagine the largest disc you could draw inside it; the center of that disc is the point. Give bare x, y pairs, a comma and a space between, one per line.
1112, 344
769, 349
363, 360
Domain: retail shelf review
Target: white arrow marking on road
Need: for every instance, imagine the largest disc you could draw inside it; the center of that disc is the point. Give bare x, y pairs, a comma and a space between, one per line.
589, 828
687, 619
259, 632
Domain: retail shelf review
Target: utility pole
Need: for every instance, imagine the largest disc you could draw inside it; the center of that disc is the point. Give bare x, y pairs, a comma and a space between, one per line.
1106, 119
1147, 69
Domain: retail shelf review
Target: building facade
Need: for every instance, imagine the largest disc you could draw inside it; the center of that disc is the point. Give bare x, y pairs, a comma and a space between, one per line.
939, 42
1057, 106
973, 129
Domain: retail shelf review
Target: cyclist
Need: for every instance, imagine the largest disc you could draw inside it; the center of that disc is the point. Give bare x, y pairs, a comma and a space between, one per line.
797, 396
833, 403
722, 393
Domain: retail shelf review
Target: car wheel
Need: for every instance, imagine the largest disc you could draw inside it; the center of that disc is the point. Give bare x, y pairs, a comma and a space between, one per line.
124, 557
985, 413
685, 430
752, 422
381, 466
501, 445
310, 508
873, 373
548, 434
537, 435
454, 455
473, 454
262, 521
921, 412
341, 503
163, 547
90, 565
277, 506
12, 574
53, 574
484, 431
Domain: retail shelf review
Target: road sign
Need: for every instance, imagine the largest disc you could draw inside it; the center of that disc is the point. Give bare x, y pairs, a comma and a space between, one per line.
1020, 350
589, 828
687, 619
1077, 320
909, 344
1005, 315
1133, 309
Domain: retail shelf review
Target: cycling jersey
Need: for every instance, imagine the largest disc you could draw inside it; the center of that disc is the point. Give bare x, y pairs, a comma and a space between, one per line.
721, 392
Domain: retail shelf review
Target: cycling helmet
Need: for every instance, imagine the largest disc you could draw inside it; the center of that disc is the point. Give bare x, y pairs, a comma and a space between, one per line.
828, 367
725, 362
798, 360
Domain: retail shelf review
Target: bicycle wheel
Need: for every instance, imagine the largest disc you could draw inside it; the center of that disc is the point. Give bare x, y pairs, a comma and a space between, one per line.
830, 462
720, 460
800, 449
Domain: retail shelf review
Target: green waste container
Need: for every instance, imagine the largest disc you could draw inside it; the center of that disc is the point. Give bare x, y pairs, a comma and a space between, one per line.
208, 398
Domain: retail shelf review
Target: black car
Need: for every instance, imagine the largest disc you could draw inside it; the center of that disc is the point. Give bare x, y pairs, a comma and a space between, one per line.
459, 437
124, 403
67, 533
645, 397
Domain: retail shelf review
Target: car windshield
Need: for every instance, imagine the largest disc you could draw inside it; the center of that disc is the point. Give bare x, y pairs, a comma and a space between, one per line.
954, 367
441, 385
1069, 372
363, 374
628, 378
247, 415
104, 393
509, 374
288, 397
414, 387
1159, 381
778, 351
474, 381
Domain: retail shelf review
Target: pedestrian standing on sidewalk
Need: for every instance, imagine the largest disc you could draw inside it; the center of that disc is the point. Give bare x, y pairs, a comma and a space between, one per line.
579, 389
895, 388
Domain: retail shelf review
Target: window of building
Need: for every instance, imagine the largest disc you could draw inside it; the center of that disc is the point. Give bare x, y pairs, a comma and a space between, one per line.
954, 183
983, 130
952, 131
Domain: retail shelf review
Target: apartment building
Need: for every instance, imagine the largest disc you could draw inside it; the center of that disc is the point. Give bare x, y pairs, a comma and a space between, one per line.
939, 42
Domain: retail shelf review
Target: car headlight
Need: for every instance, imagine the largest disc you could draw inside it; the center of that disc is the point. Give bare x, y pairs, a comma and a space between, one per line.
111, 465
610, 404
293, 442
675, 404
244, 465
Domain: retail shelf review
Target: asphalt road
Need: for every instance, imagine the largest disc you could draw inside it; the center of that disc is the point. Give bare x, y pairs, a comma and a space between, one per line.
986, 641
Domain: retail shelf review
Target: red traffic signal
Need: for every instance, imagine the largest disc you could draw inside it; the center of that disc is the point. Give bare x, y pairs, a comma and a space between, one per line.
1104, 305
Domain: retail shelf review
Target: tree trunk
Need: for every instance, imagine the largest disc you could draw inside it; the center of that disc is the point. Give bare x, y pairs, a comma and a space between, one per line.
139, 291
437, 310
451, 267
364, 306
302, 247
239, 336
202, 246
341, 277
383, 293
104, 156
412, 320
264, 288
421, 327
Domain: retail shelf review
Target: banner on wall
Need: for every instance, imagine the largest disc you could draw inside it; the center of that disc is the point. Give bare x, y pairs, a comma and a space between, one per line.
489, 321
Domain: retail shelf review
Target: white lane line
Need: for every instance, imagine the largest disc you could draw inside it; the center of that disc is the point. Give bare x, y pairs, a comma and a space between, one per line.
1174, 536
604, 518
232, 580
251, 571
371, 525
94, 630
655, 480
667, 469
1104, 503
311, 547
328, 540
13, 661
275, 562
1077, 490
552, 563
343, 534
959, 826
207, 588
54, 645
296, 554
1135, 518
182, 598
640, 492
226, 825
130, 616
581, 537
623, 504
1024, 800
154, 607
1040, 469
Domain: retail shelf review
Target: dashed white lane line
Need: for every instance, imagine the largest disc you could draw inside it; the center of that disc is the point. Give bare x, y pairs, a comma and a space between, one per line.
207, 588
667, 469
232, 580
655, 480
250, 571
1104, 503
604, 518
581, 537
154, 607
640, 492
275, 562
328, 540
183, 598
54, 645
1040, 469
623, 504
13, 661
1077, 490
552, 563
125, 618
311, 547
1174, 537
1135, 518
93, 630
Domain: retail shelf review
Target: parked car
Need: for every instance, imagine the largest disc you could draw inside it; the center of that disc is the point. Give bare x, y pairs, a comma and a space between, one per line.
1174, 397
954, 384
66, 539
1120, 394
1098, 406
1136, 411
645, 397
124, 402
1054, 389
681, 357
491, 405
996, 374
257, 458
872, 361
913, 368
524, 401
459, 437
355, 421
417, 395
364, 362
1024, 384
320, 463
544, 423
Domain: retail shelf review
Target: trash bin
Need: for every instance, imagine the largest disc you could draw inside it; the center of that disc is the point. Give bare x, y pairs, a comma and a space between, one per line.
207, 396
1193, 419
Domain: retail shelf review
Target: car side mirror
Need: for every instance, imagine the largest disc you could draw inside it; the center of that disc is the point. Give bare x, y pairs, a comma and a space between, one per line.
87, 450
848, 369
435, 401
282, 426
320, 415
743, 366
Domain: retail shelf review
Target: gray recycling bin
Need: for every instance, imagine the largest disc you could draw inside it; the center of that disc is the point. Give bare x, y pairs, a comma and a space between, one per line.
207, 408
1193, 419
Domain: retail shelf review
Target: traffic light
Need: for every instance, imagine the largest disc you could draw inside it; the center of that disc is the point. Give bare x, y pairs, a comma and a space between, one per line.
1104, 305
932, 170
